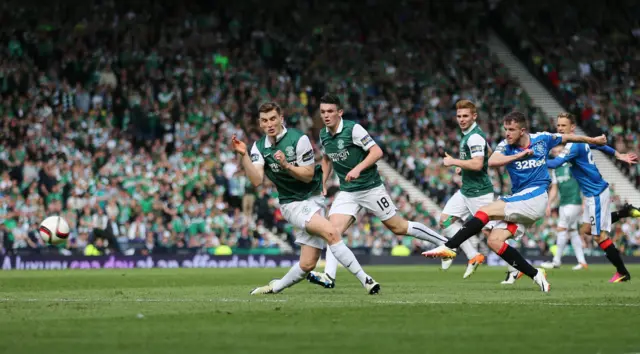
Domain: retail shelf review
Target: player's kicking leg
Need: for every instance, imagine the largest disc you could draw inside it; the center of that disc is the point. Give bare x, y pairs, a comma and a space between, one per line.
493, 211
526, 206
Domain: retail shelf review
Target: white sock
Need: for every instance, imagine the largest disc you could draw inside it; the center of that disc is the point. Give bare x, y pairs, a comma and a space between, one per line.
344, 255
424, 233
511, 269
293, 276
331, 265
467, 247
452, 230
576, 243
561, 242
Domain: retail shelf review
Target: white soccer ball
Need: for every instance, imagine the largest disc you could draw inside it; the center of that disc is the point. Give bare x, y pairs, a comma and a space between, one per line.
54, 230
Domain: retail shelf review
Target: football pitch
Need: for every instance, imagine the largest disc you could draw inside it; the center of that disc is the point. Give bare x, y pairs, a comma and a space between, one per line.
420, 310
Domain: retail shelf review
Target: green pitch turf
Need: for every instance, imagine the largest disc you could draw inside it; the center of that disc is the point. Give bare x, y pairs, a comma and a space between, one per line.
420, 310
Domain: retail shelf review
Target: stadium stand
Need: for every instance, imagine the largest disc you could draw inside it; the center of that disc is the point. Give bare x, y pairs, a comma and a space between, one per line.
588, 57
119, 117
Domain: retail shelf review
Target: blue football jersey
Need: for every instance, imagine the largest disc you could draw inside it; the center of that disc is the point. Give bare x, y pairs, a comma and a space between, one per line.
531, 171
582, 167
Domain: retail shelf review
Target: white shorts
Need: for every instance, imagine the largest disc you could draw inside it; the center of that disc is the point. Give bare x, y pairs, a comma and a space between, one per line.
463, 207
299, 214
523, 209
375, 200
597, 212
569, 216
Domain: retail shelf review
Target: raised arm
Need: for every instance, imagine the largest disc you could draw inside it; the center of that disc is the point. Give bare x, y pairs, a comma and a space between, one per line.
254, 165
629, 158
571, 138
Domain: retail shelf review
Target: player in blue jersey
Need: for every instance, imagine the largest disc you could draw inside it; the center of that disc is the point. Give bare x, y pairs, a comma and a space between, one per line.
524, 156
566, 123
595, 189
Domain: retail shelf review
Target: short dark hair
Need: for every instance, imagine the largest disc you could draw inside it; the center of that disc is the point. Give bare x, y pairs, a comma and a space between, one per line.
329, 98
517, 117
568, 116
270, 106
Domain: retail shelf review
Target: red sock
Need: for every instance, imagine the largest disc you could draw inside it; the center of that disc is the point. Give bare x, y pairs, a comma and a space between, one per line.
502, 249
482, 216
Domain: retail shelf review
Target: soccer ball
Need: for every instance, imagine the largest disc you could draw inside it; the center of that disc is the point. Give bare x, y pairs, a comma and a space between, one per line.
54, 230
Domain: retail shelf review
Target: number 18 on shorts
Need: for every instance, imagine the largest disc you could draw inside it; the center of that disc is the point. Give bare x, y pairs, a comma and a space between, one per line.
376, 200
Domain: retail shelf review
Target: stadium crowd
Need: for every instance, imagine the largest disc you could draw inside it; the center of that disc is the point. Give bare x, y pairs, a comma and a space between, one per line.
589, 56
119, 118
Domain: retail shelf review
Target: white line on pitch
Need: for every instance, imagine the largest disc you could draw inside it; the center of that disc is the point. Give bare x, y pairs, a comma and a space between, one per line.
325, 301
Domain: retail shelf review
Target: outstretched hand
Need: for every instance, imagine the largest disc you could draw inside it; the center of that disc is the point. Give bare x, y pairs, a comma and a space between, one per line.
238, 146
629, 158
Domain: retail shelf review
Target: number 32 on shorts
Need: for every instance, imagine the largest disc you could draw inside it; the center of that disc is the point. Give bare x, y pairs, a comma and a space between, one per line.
383, 203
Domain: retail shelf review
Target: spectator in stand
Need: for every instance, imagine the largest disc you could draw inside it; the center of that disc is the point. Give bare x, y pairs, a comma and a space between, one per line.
141, 97
589, 56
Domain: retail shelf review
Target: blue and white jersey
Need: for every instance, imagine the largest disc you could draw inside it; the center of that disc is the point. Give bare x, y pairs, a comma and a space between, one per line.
582, 167
530, 171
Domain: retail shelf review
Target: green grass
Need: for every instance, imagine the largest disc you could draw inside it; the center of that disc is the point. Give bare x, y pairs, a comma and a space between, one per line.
419, 310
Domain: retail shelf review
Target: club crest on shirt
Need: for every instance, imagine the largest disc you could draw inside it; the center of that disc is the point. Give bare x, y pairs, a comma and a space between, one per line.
289, 151
340, 144
539, 148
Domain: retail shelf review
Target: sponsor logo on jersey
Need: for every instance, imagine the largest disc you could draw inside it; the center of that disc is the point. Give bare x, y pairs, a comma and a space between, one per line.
476, 148
308, 156
366, 140
274, 166
255, 157
527, 164
339, 156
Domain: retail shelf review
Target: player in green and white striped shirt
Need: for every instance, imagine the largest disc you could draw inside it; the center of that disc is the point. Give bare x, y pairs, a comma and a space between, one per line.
349, 150
286, 157
476, 190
